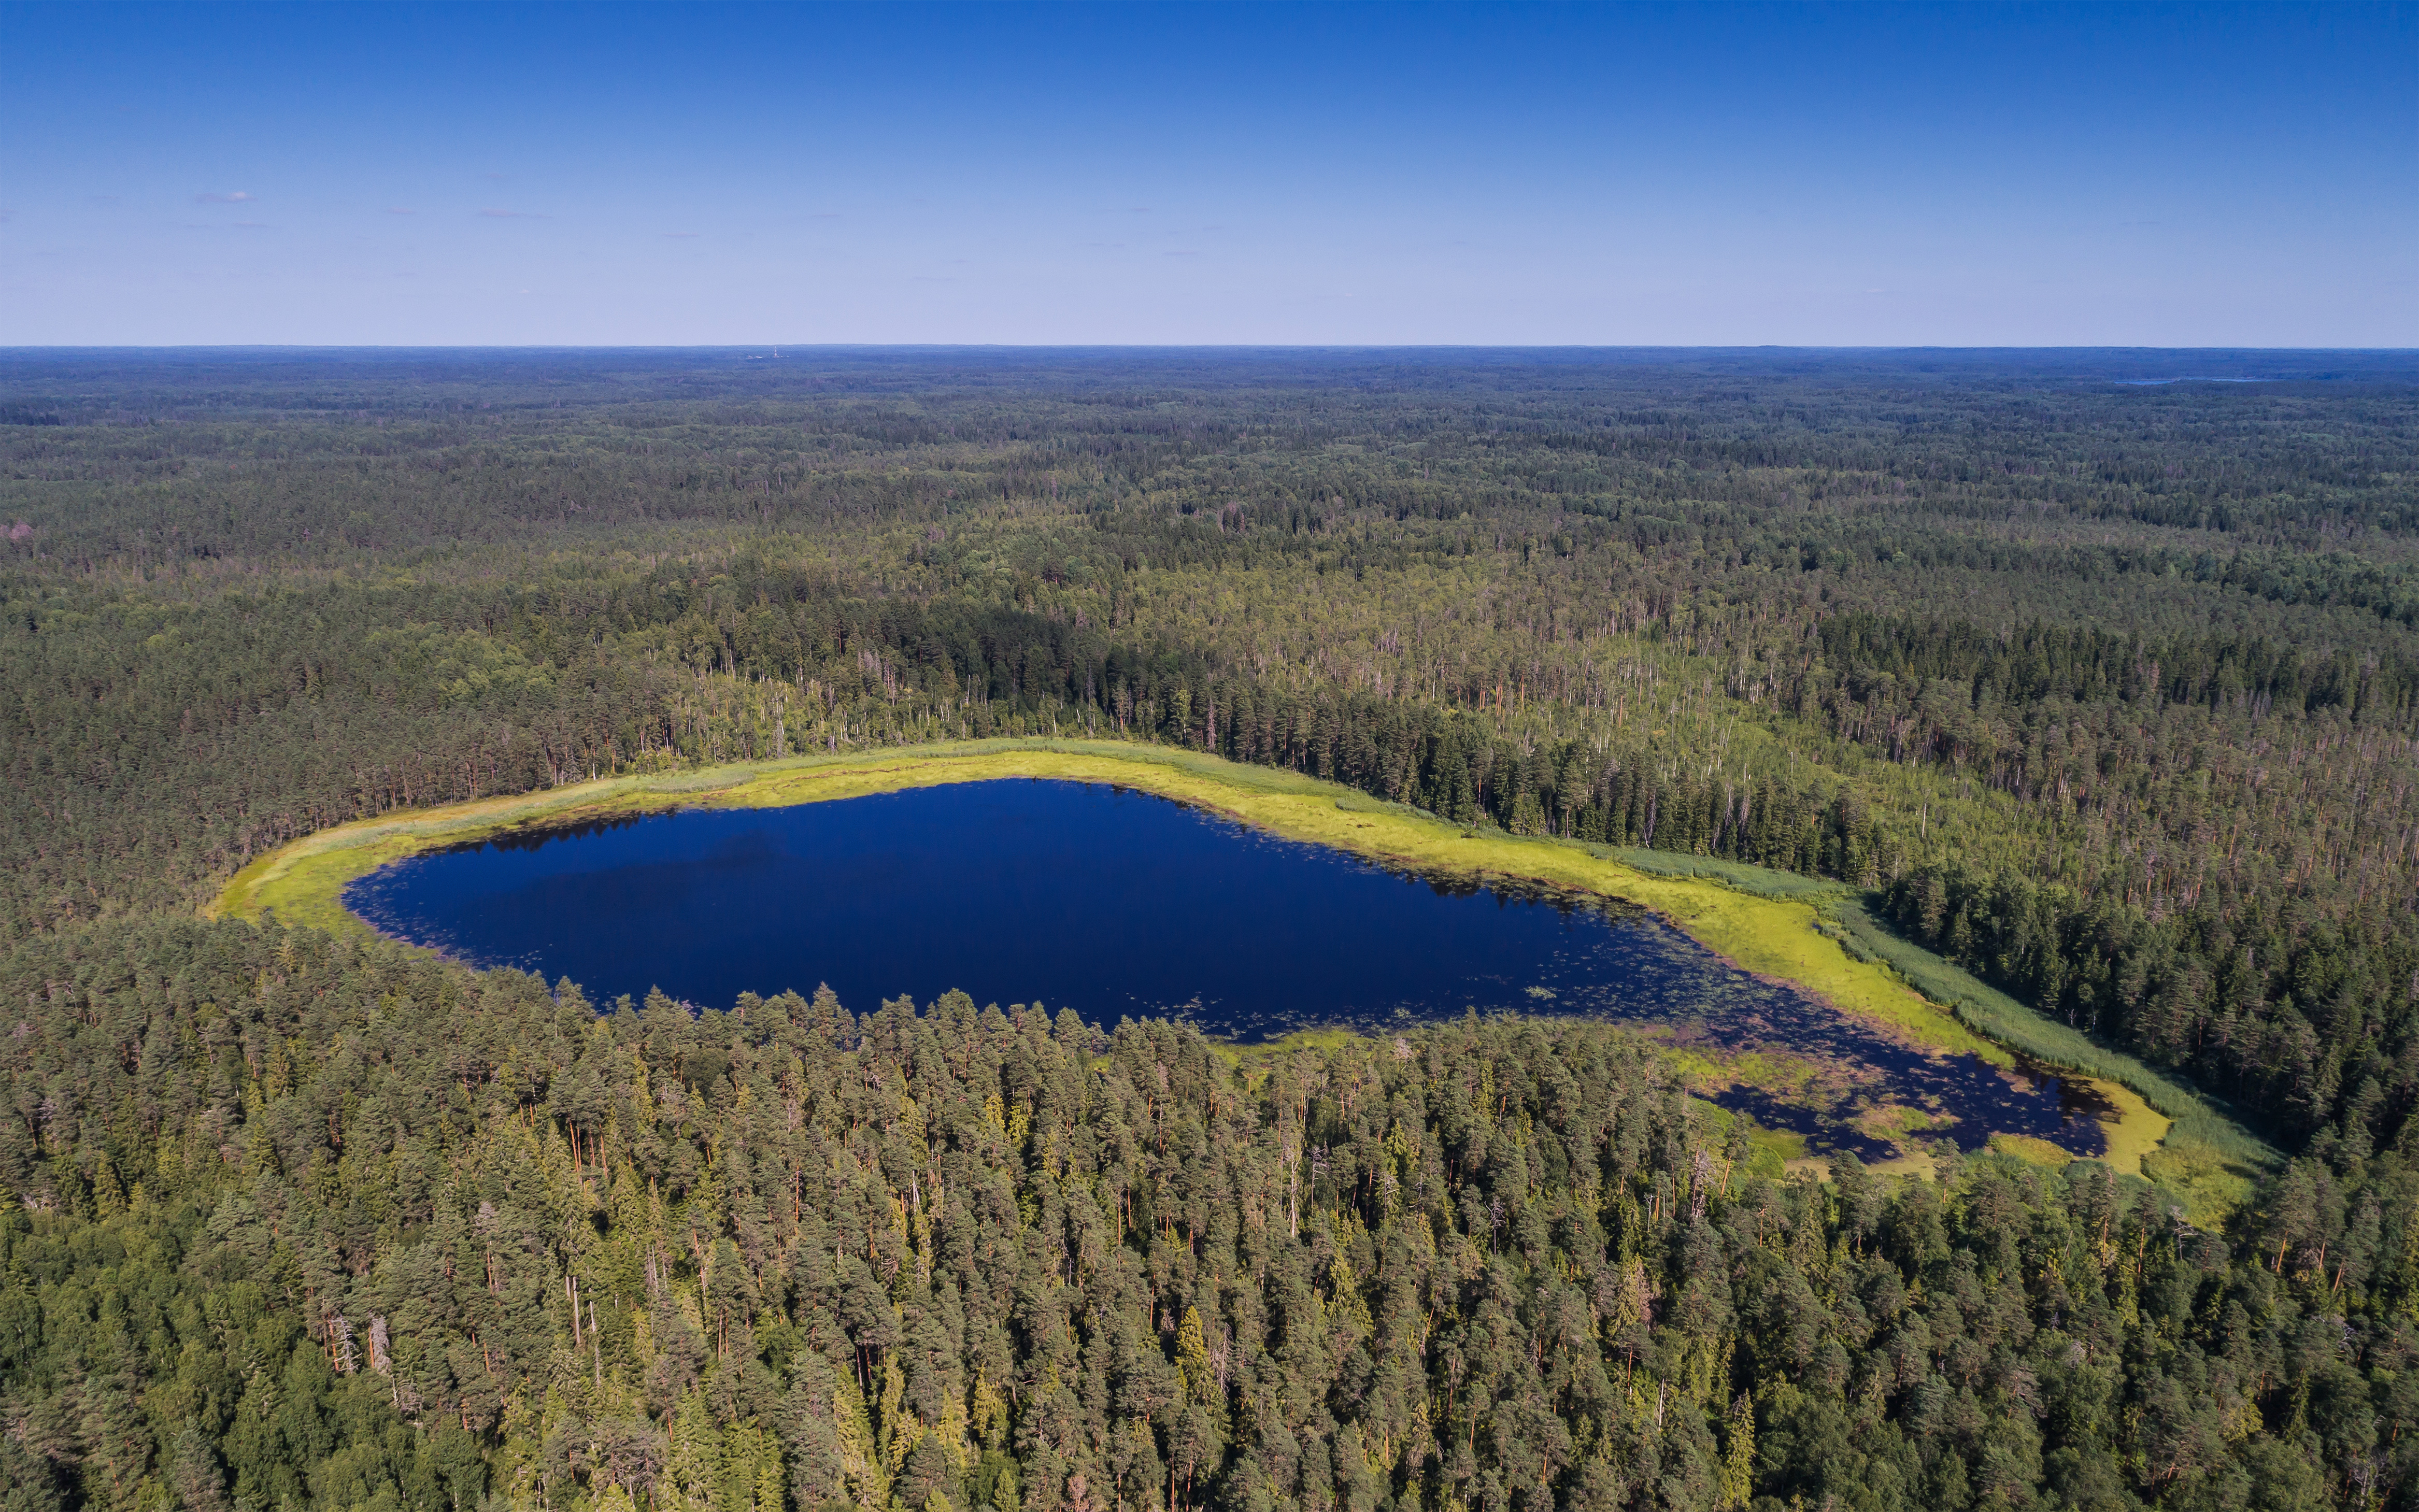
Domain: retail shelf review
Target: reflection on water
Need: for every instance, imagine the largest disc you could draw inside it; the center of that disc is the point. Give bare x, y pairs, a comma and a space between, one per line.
1118, 903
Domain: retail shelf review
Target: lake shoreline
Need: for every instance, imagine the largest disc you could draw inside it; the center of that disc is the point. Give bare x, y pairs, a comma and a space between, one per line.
1775, 938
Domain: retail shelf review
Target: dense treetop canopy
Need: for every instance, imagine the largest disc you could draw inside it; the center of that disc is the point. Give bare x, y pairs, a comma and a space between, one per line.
2103, 688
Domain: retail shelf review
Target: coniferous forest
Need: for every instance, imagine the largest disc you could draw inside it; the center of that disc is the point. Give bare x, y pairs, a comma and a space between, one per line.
2103, 689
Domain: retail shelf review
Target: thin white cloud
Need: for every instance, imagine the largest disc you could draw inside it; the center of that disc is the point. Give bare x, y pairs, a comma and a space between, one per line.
239, 197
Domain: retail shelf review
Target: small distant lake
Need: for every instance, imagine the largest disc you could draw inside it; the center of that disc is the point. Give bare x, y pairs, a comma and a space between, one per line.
1119, 904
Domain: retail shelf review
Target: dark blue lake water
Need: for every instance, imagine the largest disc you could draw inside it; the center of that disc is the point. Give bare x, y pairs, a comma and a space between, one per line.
1121, 905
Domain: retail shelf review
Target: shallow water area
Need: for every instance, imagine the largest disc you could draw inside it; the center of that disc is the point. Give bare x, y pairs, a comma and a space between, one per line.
1120, 903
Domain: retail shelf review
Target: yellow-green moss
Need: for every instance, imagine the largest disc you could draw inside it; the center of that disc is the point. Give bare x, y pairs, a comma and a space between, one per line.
1773, 1149
2201, 1178
2136, 1130
2033, 1151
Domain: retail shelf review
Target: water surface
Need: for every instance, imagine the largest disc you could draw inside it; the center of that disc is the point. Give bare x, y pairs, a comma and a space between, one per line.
1120, 905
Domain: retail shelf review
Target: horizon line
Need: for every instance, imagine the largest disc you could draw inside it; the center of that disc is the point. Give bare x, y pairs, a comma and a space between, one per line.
773, 347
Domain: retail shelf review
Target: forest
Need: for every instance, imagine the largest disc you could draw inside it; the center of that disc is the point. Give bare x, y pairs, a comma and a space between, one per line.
2104, 688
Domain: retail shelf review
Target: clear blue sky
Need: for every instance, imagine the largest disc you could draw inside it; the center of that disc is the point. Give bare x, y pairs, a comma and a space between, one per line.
1852, 175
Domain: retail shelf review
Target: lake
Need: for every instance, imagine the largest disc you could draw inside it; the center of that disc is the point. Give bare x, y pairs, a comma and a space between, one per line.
1120, 903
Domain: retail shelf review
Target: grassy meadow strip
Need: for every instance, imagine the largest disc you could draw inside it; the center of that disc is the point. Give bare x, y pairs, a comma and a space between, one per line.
1798, 929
